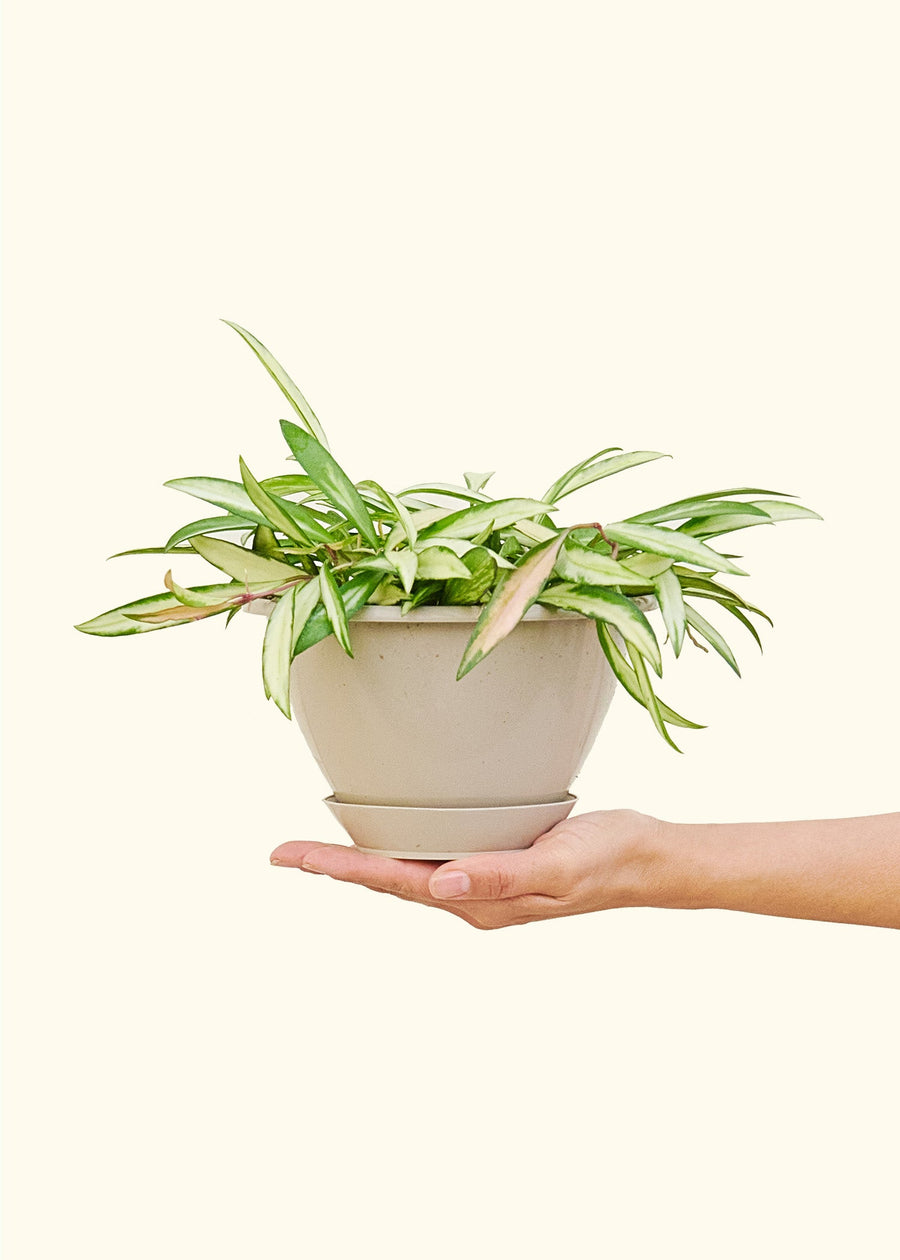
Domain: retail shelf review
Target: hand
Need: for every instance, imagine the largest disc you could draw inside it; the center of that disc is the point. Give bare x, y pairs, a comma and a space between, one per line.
597, 861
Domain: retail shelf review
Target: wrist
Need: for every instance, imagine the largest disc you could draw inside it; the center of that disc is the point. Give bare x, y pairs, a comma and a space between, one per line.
678, 869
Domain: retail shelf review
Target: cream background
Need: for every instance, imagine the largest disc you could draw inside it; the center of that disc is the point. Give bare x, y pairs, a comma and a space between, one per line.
481, 235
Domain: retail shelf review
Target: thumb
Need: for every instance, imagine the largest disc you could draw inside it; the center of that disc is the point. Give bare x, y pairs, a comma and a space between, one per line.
491, 876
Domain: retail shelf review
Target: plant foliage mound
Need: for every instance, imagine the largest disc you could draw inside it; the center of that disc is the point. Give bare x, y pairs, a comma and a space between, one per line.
323, 546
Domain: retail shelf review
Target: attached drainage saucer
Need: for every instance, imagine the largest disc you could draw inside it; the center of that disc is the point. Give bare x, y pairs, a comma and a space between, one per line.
441, 834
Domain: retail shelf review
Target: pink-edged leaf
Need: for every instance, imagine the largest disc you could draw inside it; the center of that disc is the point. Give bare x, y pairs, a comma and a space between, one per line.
511, 600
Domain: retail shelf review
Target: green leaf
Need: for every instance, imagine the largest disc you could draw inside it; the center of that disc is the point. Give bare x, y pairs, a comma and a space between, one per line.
445, 488
407, 565
116, 621
715, 526
152, 551
605, 605
285, 384
477, 481
440, 563
420, 519
482, 573
626, 677
191, 598
486, 516
711, 527
694, 584
425, 593
232, 496
580, 564
277, 516
209, 525
266, 544
785, 511
330, 478
334, 607
745, 621
553, 493
531, 532
648, 696
671, 605
591, 472
291, 614
242, 564
355, 595
712, 636
388, 592
290, 483
400, 510
649, 566
684, 509
516, 593
382, 563
670, 542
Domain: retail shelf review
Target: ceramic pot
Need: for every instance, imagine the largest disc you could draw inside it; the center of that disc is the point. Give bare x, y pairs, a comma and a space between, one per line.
423, 765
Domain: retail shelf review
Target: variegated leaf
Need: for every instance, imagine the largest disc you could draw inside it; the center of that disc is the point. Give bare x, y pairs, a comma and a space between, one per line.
606, 605
240, 563
516, 593
330, 478
291, 391
670, 542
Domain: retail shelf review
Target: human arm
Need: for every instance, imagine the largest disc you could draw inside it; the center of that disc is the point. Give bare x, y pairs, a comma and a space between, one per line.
840, 870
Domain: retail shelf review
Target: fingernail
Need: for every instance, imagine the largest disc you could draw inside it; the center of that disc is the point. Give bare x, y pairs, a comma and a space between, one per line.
312, 865
453, 884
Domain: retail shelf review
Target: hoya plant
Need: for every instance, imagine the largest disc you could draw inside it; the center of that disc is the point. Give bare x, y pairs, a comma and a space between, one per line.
322, 546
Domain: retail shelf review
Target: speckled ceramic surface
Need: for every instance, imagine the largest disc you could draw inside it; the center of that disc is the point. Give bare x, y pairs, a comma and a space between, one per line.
393, 726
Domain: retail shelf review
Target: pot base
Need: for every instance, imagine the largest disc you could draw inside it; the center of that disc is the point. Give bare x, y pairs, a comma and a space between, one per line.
439, 834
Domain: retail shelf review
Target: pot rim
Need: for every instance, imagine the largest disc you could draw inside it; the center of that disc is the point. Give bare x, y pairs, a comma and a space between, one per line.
453, 613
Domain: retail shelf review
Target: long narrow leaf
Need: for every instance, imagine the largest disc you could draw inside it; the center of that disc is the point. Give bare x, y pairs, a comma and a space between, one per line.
117, 622
510, 601
290, 390
559, 484
625, 674
278, 516
605, 605
671, 605
694, 584
286, 623
445, 488
232, 496
400, 510
208, 525
240, 563
191, 598
606, 468
355, 594
648, 695
580, 564
498, 514
330, 478
688, 508
670, 542
334, 607
712, 636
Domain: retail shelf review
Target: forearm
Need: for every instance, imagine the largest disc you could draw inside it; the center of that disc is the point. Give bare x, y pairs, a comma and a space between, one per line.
844, 870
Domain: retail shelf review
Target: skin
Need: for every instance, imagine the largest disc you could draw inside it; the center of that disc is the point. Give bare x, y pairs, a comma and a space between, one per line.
840, 870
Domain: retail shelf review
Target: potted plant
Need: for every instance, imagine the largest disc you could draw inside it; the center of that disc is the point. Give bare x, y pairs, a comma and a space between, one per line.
449, 656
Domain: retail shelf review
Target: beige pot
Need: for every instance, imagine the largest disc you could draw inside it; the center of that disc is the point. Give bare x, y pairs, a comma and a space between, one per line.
492, 755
